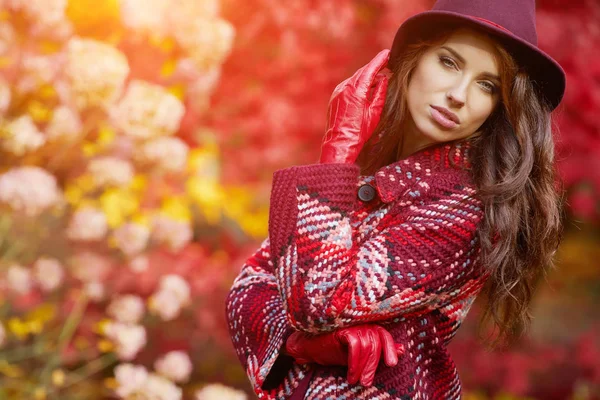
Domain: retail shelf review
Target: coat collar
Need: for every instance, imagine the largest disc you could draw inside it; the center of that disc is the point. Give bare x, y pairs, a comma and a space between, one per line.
394, 179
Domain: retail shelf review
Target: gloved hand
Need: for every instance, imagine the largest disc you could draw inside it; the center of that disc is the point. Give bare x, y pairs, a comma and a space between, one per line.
355, 110
358, 347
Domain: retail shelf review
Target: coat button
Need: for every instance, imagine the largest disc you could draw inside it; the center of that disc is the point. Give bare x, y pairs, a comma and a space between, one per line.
366, 192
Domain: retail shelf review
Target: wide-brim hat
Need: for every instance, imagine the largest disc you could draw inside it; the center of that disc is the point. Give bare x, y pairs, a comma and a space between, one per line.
512, 22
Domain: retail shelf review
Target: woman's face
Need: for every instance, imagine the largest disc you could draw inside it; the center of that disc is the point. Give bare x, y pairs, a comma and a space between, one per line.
458, 76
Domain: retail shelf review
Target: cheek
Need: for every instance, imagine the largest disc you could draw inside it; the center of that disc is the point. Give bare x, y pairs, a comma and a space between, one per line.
420, 88
482, 110
429, 79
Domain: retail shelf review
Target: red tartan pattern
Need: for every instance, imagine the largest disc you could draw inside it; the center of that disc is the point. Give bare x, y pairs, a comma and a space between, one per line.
408, 259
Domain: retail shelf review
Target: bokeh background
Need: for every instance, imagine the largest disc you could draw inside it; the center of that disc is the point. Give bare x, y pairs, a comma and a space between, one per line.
138, 142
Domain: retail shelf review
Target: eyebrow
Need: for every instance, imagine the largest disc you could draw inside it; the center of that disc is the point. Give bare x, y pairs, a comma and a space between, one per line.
462, 60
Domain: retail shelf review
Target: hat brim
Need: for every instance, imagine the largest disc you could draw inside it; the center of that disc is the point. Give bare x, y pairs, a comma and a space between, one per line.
543, 69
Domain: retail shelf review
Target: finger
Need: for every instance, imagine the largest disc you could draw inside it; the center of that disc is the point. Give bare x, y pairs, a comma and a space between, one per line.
354, 355
358, 360
366, 75
373, 355
400, 349
389, 347
380, 91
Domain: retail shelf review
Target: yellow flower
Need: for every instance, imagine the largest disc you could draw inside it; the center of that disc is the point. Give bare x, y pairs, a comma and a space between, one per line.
44, 313
80, 14
73, 194
90, 149
35, 326
9, 370
138, 183
209, 195
177, 91
58, 377
168, 68
105, 346
111, 383
49, 47
18, 328
176, 208
39, 393
100, 326
140, 219
255, 225
47, 92
204, 161
118, 204
164, 44
106, 135
39, 112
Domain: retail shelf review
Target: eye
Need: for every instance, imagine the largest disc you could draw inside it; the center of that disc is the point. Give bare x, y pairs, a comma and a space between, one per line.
447, 61
490, 87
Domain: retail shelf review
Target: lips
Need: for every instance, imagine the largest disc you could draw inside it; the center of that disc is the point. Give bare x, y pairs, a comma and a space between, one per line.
448, 114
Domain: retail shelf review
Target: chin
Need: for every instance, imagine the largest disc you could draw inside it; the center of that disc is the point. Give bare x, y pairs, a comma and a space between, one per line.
434, 133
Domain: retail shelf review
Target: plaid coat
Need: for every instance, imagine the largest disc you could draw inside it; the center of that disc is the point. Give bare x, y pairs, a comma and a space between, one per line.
403, 254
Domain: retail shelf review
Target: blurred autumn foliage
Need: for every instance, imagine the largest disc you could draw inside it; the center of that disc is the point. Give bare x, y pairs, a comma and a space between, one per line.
139, 140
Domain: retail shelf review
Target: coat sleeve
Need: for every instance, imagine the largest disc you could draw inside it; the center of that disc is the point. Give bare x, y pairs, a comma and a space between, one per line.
420, 256
258, 327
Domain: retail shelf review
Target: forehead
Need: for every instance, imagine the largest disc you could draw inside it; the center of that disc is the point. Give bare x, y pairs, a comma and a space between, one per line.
475, 47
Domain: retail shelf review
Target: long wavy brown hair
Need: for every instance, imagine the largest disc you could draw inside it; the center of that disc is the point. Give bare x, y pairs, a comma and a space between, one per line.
514, 170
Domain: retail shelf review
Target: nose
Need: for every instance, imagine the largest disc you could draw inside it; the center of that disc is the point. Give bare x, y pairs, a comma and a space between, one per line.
457, 94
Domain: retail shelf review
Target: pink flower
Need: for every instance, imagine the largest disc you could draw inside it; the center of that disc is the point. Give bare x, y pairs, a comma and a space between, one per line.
147, 110
88, 266
129, 339
139, 263
127, 308
5, 94
49, 273
134, 382
21, 136
94, 83
111, 171
167, 153
175, 365
159, 388
144, 15
30, 190
218, 391
173, 293
87, 224
178, 286
43, 12
165, 304
131, 238
37, 70
95, 291
208, 41
130, 378
7, 38
175, 234
19, 279
65, 124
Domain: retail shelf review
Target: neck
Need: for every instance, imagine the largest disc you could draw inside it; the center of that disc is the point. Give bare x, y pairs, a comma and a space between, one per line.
412, 141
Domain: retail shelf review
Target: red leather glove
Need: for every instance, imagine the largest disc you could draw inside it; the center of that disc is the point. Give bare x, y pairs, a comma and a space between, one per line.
355, 110
358, 347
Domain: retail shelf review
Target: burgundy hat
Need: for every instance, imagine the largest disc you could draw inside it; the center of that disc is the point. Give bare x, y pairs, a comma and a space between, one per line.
512, 22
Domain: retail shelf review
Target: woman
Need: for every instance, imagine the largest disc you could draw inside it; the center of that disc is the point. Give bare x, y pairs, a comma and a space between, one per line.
435, 183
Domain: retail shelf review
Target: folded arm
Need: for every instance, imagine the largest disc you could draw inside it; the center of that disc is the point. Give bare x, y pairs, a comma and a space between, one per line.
259, 328
424, 255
